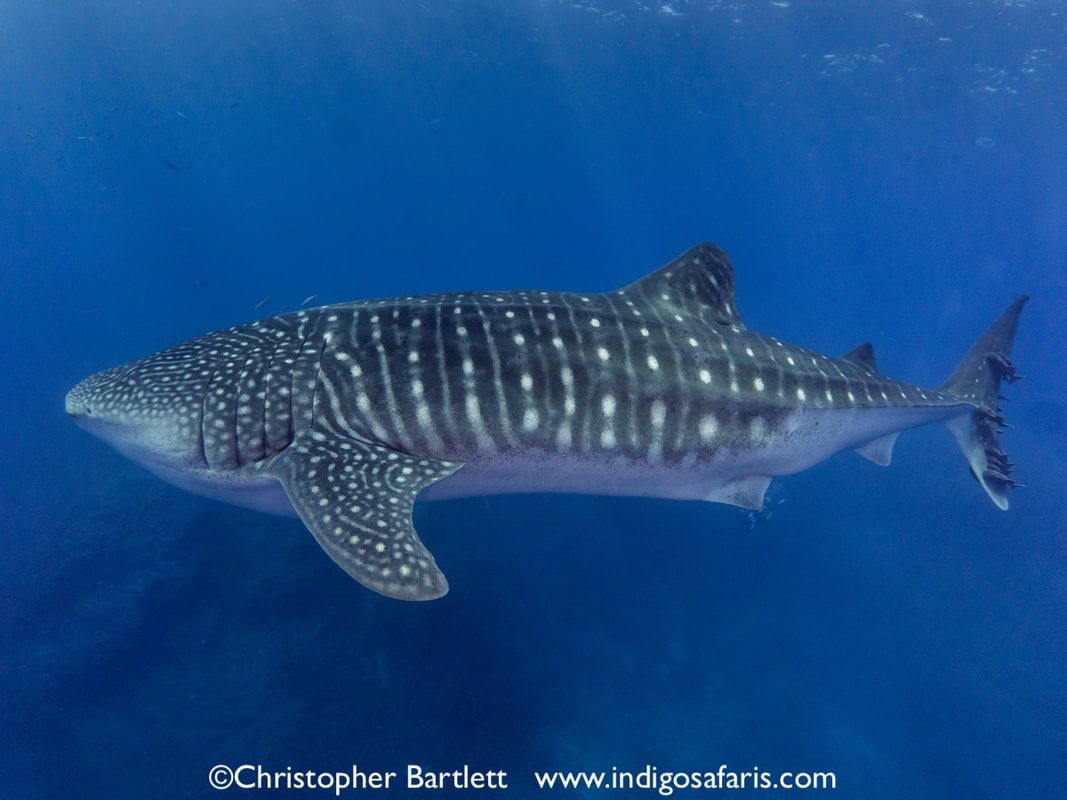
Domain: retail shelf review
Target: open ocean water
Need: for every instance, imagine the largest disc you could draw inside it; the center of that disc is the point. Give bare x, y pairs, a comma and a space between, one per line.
893, 172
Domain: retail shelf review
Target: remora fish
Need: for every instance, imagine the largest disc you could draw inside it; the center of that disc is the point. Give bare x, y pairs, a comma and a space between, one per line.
343, 414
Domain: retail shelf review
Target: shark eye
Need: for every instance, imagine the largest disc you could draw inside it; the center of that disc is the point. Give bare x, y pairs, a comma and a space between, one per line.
88, 409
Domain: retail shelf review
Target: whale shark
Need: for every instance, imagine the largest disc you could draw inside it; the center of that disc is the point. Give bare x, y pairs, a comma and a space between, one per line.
345, 414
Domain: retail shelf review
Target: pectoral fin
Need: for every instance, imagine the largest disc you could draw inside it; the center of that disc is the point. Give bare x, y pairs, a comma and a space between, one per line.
356, 499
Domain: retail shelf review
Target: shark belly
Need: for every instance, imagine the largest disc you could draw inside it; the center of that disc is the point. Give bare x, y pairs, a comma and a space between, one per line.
803, 439
240, 487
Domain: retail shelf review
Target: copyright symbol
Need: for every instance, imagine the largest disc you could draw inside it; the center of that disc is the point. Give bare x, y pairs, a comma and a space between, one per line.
220, 777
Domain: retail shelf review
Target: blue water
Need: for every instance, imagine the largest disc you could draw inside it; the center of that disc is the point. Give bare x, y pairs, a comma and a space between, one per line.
886, 172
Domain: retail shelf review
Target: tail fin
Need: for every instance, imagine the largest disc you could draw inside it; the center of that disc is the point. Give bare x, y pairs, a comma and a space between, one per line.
977, 381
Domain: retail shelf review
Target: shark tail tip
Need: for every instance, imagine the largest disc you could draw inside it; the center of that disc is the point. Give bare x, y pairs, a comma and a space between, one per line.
977, 381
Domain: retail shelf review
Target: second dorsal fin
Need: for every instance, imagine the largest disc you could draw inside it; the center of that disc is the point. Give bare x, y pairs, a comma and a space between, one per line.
862, 356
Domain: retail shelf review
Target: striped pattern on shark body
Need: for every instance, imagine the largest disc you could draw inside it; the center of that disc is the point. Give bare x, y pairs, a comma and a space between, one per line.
457, 374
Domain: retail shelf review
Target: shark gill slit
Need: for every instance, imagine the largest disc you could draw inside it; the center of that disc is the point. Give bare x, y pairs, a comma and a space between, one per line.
203, 413
268, 449
318, 374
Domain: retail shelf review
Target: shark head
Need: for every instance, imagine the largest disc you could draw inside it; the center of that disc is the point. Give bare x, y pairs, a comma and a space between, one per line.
124, 407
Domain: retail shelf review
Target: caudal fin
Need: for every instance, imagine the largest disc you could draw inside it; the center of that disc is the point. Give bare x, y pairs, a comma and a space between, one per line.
977, 380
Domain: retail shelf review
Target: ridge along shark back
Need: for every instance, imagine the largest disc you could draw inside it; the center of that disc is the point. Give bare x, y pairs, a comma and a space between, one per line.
343, 414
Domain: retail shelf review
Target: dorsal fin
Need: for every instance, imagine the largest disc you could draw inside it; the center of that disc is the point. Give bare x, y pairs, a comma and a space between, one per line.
862, 356
699, 284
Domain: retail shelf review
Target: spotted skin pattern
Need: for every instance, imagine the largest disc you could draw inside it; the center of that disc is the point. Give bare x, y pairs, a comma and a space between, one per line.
656, 389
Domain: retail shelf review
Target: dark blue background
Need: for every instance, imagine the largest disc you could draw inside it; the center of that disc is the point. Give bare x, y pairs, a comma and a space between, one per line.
878, 171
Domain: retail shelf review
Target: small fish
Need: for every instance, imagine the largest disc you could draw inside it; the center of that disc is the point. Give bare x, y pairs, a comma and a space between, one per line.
180, 114
292, 230
307, 300
172, 165
85, 138
202, 283
186, 230
263, 302
113, 109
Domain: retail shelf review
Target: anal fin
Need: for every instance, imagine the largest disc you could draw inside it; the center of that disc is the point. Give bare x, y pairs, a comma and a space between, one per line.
356, 499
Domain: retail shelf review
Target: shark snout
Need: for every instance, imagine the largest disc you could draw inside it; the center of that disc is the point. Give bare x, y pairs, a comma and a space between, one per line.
76, 405
100, 396
79, 400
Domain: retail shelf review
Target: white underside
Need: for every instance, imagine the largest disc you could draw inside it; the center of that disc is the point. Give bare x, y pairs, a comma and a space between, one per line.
261, 494
737, 476
239, 487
